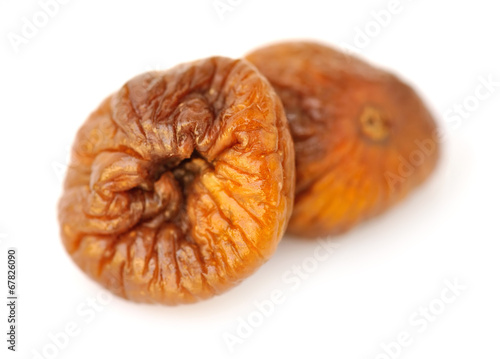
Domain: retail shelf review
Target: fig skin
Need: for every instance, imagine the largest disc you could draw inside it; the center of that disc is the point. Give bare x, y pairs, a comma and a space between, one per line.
181, 184
358, 133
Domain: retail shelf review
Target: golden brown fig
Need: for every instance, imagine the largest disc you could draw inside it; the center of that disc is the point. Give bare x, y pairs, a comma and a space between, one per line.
363, 138
181, 183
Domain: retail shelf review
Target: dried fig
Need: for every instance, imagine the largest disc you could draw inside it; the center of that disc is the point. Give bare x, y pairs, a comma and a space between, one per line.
363, 138
181, 183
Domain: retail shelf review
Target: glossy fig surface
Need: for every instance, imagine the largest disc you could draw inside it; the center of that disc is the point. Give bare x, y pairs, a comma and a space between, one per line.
181, 184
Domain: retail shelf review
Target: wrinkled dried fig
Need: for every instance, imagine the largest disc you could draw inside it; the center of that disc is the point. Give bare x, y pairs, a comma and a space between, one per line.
363, 139
181, 183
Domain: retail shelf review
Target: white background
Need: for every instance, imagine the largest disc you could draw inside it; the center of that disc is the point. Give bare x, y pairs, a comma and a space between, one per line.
367, 291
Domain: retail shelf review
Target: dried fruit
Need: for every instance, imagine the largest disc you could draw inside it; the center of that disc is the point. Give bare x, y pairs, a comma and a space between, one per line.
363, 138
181, 184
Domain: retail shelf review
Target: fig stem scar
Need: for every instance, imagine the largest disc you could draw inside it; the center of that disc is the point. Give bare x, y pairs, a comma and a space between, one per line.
373, 124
